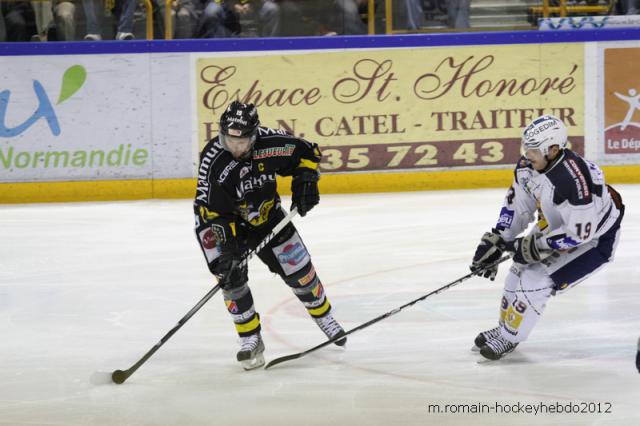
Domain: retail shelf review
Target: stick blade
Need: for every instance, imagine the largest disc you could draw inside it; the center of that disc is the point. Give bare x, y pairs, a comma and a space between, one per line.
282, 359
119, 377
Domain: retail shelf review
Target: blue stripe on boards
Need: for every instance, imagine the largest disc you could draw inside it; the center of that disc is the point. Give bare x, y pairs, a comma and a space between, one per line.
316, 43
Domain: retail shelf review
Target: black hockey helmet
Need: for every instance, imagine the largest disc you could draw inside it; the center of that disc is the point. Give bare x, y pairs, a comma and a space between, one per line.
239, 120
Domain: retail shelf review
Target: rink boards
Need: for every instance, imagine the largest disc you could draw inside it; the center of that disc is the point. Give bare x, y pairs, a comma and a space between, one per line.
126, 120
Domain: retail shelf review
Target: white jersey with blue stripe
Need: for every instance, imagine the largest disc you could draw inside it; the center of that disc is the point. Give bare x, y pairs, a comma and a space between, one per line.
571, 198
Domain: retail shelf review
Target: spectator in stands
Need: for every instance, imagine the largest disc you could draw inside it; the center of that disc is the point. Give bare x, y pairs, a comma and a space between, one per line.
407, 15
93, 11
44, 19
281, 18
3, 29
458, 13
348, 16
64, 16
18, 21
123, 12
220, 19
415, 14
632, 7
185, 14
285, 18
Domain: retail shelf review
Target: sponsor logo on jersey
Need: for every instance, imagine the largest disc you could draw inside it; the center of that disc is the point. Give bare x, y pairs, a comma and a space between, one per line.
512, 320
257, 218
243, 317
209, 239
206, 214
308, 278
582, 188
202, 190
225, 172
218, 231
278, 151
254, 183
561, 242
267, 131
318, 291
244, 171
506, 218
292, 254
231, 306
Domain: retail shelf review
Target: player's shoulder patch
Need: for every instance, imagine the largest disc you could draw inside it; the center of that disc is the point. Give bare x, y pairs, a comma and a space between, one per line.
571, 180
523, 169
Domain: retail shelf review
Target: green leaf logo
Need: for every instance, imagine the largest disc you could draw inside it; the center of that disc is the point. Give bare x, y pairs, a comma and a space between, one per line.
72, 80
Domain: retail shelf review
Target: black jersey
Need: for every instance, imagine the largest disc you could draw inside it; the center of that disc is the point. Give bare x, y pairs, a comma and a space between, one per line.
230, 190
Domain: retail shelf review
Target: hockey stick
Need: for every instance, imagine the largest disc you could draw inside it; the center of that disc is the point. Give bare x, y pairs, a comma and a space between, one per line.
119, 376
383, 316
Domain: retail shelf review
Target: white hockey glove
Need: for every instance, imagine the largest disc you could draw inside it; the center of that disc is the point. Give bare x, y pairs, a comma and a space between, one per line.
488, 252
525, 251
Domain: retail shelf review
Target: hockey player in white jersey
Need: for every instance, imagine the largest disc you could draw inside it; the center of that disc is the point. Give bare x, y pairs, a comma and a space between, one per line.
577, 230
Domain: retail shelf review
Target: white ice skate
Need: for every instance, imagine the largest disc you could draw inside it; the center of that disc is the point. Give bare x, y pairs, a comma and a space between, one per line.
331, 328
251, 352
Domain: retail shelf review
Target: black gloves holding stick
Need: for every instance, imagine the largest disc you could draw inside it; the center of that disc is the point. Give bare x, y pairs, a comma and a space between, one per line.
304, 190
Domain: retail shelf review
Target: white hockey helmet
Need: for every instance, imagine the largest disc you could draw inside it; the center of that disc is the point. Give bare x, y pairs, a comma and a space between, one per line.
544, 132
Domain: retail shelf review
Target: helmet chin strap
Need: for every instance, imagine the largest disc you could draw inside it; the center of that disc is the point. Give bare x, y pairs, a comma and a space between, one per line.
550, 162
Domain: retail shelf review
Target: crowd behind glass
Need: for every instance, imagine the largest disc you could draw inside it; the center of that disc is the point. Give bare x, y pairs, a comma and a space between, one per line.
70, 20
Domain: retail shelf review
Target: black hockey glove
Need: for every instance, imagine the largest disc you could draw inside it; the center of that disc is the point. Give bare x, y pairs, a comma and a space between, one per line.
488, 252
304, 190
227, 270
525, 250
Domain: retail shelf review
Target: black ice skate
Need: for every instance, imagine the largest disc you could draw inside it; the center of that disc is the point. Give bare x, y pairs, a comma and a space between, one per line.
482, 338
497, 348
331, 328
251, 352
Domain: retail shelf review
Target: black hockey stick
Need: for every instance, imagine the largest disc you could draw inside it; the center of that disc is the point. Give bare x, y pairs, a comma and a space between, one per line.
119, 376
383, 316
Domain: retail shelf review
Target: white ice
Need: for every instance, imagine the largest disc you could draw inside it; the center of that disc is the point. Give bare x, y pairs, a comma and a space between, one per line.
90, 287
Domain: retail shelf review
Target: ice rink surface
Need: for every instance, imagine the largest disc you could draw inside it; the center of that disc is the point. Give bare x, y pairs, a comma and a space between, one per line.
90, 287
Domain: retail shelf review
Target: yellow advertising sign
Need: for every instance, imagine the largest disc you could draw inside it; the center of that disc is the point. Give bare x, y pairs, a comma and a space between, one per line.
402, 108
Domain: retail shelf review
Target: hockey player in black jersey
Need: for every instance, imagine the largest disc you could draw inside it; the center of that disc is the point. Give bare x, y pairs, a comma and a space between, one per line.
577, 231
237, 205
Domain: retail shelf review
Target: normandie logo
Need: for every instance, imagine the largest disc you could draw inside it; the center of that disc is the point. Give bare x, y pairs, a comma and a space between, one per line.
72, 80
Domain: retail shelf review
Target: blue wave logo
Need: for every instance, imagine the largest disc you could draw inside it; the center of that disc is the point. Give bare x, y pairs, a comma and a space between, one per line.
72, 80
